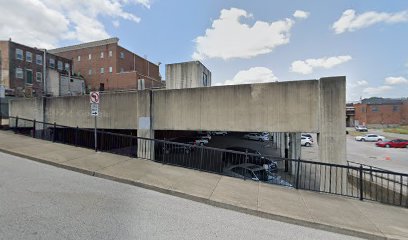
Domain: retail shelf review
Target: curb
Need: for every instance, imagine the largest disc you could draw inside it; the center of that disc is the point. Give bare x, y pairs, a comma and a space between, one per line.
271, 216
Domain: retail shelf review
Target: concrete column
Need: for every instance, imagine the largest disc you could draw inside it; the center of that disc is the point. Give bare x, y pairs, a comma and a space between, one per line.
145, 147
332, 131
332, 122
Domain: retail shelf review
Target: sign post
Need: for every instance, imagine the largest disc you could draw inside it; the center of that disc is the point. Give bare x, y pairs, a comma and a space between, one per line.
2, 95
94, 100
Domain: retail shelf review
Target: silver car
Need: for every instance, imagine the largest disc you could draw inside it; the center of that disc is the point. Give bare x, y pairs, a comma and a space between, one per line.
370, 138
257, 137
254, 172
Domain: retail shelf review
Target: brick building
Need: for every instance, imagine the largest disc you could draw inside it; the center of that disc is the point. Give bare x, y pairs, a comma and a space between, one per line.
107, 66
376, 112
22, 68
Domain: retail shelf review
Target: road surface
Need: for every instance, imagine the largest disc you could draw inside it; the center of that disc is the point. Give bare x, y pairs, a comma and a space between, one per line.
43, 202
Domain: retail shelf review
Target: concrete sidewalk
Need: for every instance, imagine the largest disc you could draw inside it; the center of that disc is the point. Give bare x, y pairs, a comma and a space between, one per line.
328, 212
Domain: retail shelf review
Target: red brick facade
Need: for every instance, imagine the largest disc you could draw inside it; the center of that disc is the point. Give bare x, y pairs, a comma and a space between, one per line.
19, 73
107, 66
382, 113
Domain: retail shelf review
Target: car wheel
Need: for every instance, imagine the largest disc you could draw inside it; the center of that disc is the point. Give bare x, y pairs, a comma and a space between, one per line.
387, 146
363, 140
201, 144
307, 144
406, 146
379, 139
187, 151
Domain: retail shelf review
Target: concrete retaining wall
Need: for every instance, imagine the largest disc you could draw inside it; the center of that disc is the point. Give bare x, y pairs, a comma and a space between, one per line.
274, 107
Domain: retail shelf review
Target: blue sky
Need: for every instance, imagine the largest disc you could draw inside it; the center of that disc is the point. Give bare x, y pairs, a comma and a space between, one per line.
241, 41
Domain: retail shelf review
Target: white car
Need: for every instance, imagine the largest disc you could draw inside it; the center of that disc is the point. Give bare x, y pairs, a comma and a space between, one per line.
219, 133
361, 128
370, 138
306, 141
257, 137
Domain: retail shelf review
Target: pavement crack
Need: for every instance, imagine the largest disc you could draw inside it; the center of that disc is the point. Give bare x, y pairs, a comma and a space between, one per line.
212, 192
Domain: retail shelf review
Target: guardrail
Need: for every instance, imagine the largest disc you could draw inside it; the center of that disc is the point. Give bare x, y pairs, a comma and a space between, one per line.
352, 180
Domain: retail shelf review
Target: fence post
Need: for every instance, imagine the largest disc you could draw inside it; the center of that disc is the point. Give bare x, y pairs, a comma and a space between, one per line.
246, 160
16, 127
76, 136
34, 128
54, 136
361, 183
201, 159
164, 150
297, 173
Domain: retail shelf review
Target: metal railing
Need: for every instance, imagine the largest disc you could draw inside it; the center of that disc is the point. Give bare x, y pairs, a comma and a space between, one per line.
352, 180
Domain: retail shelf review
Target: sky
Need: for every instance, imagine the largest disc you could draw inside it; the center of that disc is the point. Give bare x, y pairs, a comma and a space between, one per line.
239, 41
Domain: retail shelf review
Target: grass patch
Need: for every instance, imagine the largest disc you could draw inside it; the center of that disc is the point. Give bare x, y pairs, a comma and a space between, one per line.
400, 130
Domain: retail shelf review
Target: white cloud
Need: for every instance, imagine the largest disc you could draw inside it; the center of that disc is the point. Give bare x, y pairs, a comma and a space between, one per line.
396, 80
362, 83
116, 23
349, 21
307, 66
377, 91
253, 75
229, 38
301, 14
44, 23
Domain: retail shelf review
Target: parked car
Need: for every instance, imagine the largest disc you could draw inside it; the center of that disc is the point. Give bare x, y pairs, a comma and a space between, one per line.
204, 136
361, 128
219, 133
257, 137
306, 141
307, 135
254, 157
370, 138
254, 172
186, 147
396, 143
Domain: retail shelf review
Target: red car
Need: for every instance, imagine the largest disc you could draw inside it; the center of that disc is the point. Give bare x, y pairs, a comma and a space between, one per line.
396, 143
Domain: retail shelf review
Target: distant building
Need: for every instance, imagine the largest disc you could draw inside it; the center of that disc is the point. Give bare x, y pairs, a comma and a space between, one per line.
187, 75
107, 66
379, 112
22, 68
350, 115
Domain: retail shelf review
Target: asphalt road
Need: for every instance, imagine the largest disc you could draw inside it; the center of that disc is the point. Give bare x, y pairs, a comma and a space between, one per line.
43, 202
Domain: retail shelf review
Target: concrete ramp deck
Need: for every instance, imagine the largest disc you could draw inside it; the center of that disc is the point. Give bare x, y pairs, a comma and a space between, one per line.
322, 211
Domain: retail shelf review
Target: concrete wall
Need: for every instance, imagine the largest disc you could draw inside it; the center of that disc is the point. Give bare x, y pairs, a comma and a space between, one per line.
274, 107
285, 107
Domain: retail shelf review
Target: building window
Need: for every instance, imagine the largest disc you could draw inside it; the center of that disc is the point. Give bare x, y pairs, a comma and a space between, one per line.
122, 70
52, 63
60, 65
102, 70
395, 108
19, 54
110, 53
67, 67
374, 109
122, 55
38, 59
89, 56
29, 57
38, 77
101, 54
19, 73
110, 69
205, 79
90, 72
79, 58
363, 109
29, 76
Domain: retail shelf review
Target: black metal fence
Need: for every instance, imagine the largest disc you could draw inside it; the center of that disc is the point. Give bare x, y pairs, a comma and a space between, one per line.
353, 180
